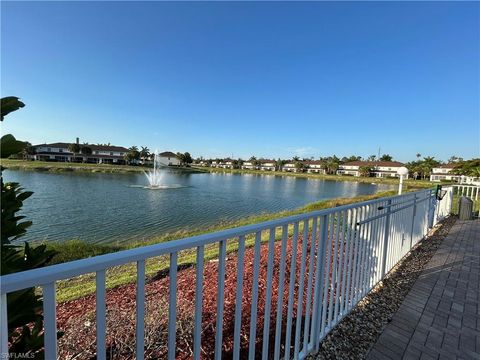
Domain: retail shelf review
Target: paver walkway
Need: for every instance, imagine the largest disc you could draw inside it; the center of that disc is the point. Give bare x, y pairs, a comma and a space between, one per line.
440, 317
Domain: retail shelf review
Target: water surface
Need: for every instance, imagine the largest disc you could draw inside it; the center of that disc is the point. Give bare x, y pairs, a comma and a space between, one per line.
116, 208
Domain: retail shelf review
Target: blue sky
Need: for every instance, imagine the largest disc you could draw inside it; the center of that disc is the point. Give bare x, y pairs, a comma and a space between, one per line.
254, 78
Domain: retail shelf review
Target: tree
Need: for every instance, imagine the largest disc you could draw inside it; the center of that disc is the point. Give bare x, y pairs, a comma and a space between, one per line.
29, 150
299, 166
279, 164
418, 155
9, 104
85, 150
386, 157
454, 159
8, 144
468, 168
74, 148
372, 158
25, 319
144, 153
365, 171
187, 158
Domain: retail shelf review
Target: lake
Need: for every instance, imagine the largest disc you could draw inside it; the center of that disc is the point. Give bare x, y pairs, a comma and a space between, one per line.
109, 208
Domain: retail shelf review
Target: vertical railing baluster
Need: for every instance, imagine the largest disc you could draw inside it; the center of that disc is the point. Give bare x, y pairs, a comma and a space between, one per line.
172, 306
334, 268
319, 283
311, 257
101, 314
197, 337
328, 279
291, 289
238, 297
347, 267
220, 299
281, 286
353, 259
341, 243
49, 321
268, 295
364, 243
3, 325
140, 322
253, 310
301, 284
385, 238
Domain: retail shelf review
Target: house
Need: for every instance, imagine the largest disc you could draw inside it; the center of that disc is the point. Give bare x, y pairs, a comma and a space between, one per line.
315, 166
169, 158
249, 165
444, 172
268, 165
289, 166
101, 154
380, 169
226, 164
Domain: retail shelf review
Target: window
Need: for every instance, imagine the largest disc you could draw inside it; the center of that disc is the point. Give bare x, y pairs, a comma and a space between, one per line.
60, 150
111, 153
49, 149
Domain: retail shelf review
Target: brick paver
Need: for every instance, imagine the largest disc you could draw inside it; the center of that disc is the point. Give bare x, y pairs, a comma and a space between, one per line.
440, 316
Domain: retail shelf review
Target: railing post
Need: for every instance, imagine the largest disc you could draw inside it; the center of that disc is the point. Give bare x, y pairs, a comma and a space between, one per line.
385, 238
4, 327
414, 213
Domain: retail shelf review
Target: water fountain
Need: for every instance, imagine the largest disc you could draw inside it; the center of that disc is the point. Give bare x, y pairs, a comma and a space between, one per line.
155, 176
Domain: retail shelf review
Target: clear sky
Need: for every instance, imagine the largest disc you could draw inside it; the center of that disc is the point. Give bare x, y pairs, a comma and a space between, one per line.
254, 78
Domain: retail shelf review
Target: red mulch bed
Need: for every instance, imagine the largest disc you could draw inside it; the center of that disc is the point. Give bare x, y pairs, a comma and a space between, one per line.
77, 318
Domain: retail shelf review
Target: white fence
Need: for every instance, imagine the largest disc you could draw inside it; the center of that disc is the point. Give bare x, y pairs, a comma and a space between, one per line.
337, 256
470, 191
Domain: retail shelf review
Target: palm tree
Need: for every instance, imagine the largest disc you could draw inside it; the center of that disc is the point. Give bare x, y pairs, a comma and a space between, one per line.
144, 153
74, 148
365, 171
419, 155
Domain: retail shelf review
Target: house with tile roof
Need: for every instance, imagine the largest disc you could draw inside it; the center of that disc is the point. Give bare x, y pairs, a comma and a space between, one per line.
383, 169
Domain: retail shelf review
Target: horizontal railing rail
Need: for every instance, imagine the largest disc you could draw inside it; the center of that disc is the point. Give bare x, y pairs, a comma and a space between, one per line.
323, 263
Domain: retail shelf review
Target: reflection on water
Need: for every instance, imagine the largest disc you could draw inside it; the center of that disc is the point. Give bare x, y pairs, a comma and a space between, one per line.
117, 207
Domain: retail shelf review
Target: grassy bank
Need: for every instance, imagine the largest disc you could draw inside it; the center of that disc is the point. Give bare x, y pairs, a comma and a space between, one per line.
85, 284
81, 167
409, 184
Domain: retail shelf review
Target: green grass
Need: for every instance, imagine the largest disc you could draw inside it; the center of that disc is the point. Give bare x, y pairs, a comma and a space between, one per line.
83, 285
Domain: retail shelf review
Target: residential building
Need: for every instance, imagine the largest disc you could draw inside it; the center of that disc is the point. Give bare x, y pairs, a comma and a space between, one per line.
289, 166
315, 166
268, 165
381, 169
249, 165
101, 154
169, 158
225, 164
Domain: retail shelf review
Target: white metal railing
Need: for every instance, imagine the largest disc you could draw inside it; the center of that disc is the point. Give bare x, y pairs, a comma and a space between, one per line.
470, 191
339, 254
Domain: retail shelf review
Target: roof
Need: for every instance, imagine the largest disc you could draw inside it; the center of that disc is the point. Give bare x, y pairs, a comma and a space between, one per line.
447, 166
264, 161
168, 154
374, 163
91, 146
